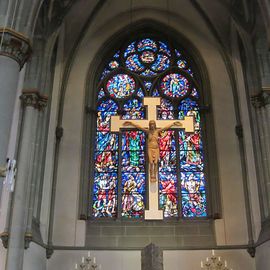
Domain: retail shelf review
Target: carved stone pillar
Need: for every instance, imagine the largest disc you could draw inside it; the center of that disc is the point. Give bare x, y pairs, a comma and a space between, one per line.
15, 49
19, 237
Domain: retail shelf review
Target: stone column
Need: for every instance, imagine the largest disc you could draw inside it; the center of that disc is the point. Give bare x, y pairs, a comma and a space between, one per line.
22, 195
15, 49
42, 103
152, 258
261, 103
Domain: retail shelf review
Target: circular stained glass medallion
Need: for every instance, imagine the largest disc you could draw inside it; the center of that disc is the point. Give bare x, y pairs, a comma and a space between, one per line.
174, 85
148, 57
121, 86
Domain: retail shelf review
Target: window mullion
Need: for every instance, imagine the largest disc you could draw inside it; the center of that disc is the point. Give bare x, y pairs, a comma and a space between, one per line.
119, 177
178, 172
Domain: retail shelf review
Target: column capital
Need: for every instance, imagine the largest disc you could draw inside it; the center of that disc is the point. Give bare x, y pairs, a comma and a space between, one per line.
15, 45
262, 99
32, 97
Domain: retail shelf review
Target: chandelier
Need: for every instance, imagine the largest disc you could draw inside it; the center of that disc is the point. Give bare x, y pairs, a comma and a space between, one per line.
214, 263
88, 263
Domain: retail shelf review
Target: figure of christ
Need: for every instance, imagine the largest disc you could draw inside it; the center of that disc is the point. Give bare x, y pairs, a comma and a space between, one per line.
152, 143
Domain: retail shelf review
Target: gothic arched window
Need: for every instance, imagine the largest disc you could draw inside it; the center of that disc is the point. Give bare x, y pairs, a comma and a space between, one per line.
148, 67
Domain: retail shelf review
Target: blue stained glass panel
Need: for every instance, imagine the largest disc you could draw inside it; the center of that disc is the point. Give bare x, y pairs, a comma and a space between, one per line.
191, 161
147, 57
168, 193
133, 205
104, 205
133, 161
194, 205
129, 114
162, 63
190, 72
136, 182
148, 73
193, 194
133, 191
106, 141
105, 195
130, 49
105, 181
155, 93
181, 63
133, 109
106, 161
188, 105
121, 86
147, 85
194, 112
194, 93
108, 105
105, 72
166, 105
101, 93
113, 64
133, 103
167, 161
177, 53
133, 140
175, 85
189, 141
117, 54
165, 111
192, 181
147, 44
140, 93
133, 63
167, 140
163, 47
104, 120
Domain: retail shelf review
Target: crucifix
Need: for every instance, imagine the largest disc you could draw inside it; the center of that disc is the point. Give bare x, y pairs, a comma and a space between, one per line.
152, 127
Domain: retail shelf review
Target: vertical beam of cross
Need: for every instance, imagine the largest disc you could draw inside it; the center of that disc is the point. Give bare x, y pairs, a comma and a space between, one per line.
153, 213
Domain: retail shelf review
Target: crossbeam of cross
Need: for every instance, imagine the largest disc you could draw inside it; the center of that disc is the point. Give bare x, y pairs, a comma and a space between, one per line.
152, 102
154, 213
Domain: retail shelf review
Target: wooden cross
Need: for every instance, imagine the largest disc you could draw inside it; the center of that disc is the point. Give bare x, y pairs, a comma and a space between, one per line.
154, 213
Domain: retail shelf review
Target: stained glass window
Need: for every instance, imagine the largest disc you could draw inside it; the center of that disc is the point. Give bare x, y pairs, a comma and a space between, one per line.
143, 68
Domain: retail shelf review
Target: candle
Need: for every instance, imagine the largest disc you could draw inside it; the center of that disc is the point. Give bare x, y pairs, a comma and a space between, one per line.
213, 252
82, 259
76, 266
225, 263
88, 254
207, 259
94, 260
201, 264
219, 258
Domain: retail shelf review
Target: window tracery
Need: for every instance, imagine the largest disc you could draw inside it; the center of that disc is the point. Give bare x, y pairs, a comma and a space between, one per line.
148, 67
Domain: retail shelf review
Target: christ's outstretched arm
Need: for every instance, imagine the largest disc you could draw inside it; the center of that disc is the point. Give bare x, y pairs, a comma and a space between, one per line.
130, 123
176, 123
